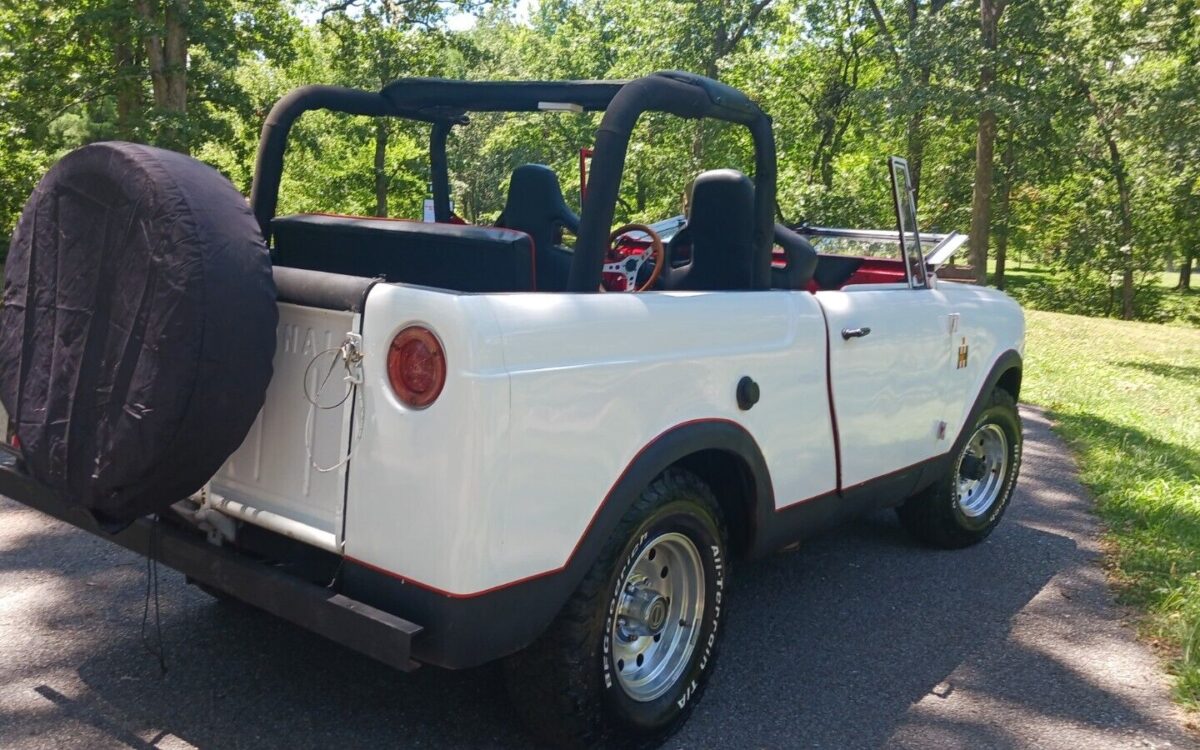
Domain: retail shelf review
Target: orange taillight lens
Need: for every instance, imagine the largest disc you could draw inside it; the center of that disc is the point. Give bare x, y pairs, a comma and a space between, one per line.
416, 366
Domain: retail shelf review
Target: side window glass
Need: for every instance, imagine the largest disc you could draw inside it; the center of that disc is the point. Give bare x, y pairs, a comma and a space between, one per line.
906, 220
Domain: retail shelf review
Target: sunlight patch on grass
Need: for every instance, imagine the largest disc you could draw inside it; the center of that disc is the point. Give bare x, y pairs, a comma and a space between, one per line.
1126, 396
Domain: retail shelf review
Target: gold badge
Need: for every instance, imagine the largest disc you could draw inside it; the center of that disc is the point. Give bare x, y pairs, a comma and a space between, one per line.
963, 349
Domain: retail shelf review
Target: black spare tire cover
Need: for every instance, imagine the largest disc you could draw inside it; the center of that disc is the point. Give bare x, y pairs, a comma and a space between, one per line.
138, 328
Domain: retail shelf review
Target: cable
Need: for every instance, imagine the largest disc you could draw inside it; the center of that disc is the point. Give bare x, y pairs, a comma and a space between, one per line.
152, 585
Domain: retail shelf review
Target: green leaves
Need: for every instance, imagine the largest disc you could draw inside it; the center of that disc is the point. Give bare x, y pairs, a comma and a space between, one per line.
847, 82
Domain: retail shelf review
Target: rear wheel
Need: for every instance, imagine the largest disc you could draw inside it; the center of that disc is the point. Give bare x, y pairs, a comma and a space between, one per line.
964, 506
631, 651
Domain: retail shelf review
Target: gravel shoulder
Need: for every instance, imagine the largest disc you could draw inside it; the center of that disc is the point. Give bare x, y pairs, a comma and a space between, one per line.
860, 639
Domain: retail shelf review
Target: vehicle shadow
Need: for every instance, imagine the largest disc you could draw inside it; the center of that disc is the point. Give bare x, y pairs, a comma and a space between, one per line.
828, 646
831, 644
1166, 370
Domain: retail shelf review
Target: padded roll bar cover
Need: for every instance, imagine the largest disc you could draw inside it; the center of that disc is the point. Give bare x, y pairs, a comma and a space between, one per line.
328, 291
268, 167
685, 95
439, 98
138, 328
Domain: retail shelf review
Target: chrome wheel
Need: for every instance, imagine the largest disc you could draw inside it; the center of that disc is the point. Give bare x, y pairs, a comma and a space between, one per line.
658, 617
981, 470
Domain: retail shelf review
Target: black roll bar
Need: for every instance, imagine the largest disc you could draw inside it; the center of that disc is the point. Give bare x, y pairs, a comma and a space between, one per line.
439, 169
685, 95
445, 103
268, 167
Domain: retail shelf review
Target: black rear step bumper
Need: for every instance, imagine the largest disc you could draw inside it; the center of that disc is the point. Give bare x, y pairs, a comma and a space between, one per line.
358, 626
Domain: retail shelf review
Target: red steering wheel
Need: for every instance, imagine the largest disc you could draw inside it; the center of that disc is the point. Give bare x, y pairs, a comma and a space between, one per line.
629, 266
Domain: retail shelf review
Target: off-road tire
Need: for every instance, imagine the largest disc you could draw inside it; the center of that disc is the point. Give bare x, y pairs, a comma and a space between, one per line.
935, 517
562, 686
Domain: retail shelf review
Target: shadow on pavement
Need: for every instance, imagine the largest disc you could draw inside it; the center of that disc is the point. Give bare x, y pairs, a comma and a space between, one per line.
830, 646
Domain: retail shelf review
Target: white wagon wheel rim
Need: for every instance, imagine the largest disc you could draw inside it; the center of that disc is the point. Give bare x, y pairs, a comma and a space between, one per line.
978, 485
659, 612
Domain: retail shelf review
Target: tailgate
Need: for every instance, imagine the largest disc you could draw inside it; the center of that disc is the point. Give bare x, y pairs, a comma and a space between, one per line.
271, 479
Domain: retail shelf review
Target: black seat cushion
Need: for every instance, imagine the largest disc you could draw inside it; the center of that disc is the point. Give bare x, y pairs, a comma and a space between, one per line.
447, 256
536, 206
801, 260
721, 226
833, 271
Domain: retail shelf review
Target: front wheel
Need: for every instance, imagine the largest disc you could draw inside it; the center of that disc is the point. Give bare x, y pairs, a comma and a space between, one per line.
964, 506
631, 651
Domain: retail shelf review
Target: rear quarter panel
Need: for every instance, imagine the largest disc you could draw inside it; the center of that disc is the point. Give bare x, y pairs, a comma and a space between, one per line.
549, 399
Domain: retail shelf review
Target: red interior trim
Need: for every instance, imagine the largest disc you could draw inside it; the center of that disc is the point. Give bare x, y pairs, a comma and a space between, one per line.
878, 271
837, 439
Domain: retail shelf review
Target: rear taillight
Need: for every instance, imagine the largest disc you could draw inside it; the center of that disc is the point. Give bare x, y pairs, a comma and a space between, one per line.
416, 366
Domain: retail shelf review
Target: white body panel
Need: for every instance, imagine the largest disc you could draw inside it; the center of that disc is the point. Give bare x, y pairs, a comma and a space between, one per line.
887, 386
272, 471
899, 393
550, 397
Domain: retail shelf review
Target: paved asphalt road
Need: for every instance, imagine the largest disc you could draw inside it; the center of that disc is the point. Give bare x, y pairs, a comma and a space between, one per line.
858, 640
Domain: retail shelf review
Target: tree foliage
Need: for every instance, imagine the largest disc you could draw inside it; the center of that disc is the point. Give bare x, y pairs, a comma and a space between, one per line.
1073, 123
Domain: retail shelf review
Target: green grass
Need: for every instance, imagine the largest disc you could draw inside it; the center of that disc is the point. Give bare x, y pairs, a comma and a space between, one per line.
1037, 287
1019, 275
1126, 396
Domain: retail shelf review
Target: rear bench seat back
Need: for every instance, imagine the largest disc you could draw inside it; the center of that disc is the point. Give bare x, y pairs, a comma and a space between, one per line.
446, 256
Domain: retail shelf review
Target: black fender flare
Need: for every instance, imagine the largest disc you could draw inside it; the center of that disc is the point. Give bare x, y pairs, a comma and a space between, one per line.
462, 631
1008, 361
664, 451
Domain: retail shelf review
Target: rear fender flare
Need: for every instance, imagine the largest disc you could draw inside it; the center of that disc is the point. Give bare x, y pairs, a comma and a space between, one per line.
665, 451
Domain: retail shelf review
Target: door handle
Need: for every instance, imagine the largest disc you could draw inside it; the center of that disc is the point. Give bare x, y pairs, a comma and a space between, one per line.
854, 333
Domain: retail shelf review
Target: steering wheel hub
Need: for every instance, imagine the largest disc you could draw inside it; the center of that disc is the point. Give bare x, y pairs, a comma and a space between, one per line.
626, 268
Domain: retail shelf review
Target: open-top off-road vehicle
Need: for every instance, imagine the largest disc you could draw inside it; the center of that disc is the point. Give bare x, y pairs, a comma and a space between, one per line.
442, 444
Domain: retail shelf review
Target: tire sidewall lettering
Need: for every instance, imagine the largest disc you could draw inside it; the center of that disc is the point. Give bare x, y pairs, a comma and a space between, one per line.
677, 699
998, 416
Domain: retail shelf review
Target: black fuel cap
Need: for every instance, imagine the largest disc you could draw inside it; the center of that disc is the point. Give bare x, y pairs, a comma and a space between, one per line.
747, 393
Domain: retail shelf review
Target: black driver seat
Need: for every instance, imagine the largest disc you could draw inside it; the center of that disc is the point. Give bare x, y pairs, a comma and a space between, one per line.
721, 227
536, 207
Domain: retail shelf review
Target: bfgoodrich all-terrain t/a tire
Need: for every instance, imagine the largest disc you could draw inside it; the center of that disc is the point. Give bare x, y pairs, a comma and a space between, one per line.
628, 657
964, 506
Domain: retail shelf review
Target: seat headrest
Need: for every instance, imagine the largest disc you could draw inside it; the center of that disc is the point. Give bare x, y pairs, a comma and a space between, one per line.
535, 177
535, 196
719, 195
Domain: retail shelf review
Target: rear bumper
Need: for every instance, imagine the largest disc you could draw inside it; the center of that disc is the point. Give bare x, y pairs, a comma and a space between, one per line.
352, 623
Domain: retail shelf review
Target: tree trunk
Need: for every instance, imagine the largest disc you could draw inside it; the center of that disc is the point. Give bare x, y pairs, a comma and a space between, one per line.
982, 196
167, 62
1123, 195
981, 200
1185, 270
381, 177
128, 74
154, 53
1116, 167
176, 55
1003, 217
914, 141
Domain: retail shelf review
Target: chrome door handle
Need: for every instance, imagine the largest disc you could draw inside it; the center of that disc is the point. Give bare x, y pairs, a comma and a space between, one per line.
854, 333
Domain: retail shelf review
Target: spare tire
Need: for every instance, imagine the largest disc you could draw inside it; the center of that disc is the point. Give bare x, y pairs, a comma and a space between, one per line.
138, 328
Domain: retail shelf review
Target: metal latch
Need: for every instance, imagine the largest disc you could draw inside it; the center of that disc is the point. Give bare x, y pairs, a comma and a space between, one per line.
350, 355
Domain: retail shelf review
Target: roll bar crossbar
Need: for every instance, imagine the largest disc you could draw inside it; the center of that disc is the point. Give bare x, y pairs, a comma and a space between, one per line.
446, 103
